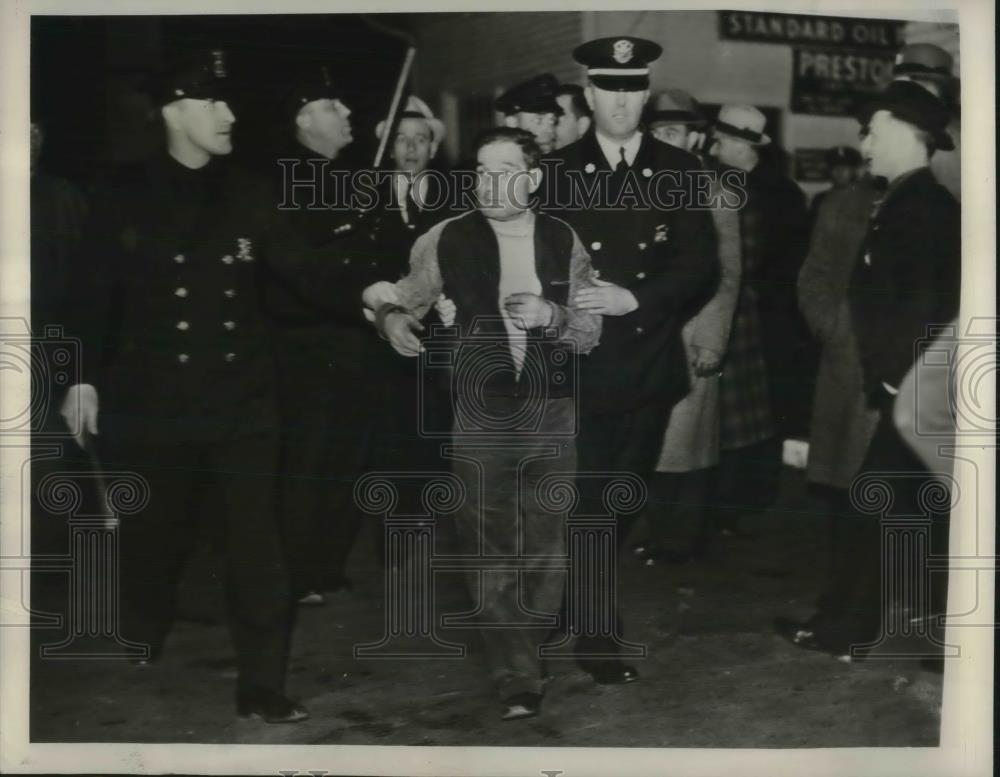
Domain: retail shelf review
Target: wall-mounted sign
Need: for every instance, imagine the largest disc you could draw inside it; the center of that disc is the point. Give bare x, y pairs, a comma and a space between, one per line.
805, 30
832, 82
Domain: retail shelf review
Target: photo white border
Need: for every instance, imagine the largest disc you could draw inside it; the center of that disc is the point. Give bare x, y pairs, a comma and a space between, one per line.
967, 714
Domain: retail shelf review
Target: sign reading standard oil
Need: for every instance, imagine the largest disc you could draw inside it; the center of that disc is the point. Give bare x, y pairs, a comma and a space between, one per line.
831, 82
825, 31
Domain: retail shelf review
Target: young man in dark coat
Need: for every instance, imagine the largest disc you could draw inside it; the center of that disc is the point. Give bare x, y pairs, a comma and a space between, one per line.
906, 280
627, 196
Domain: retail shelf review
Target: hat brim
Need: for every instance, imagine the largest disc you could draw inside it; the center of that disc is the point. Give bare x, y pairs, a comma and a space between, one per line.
436, 125
621, 83
904, 112
763, 139
674, 117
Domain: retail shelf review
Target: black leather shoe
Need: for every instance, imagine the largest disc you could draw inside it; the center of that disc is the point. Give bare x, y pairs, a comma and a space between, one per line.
523, 705
612, 672
271, 707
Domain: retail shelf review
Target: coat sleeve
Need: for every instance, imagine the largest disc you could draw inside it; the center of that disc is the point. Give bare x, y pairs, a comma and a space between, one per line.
712, 324
577, 327
817, 292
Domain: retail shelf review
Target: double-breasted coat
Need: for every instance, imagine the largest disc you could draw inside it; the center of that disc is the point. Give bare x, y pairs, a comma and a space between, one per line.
641, 233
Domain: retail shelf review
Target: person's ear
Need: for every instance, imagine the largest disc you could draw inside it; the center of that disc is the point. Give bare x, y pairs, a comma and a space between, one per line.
434, 148
303, 119
583, 124
645, 97
588, 95
534, 179
510, 121
170, 114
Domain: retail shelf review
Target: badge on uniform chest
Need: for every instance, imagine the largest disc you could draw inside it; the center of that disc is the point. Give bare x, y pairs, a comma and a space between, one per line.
661, 234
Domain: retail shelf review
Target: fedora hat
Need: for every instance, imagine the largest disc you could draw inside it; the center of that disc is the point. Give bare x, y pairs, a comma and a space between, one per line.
675, 106
914, 105
744, 122
924, 60
417, 109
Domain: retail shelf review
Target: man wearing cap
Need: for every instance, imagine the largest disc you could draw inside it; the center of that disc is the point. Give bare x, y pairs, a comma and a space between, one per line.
531, 105
675, 118
576, 115
766, 384
906, 279
843, 165
178, 376
320, 358
655, 265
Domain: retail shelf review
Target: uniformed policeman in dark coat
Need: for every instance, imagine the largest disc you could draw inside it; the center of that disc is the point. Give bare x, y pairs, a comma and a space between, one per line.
656, 262
906, 280
177, 351
532, 105
320, 357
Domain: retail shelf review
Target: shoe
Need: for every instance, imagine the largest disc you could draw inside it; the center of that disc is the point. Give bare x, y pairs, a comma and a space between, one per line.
612, 673
269, 706
312, 599
523, 705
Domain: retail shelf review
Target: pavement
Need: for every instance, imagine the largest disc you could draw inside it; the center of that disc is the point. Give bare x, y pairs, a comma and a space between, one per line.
715, 675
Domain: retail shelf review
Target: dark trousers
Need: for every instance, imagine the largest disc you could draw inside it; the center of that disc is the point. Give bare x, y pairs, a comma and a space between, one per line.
504, 522
745, 481
326, 414
155, 543
677, 514
850, 610
630, 442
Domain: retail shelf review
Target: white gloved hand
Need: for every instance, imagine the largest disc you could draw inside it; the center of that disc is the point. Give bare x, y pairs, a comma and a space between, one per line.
79, 411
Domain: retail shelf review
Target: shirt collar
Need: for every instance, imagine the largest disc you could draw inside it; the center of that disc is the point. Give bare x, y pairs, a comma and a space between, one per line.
611, 148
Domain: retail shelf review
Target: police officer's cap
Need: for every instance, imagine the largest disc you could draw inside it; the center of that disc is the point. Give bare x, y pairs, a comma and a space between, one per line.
843, 156
619, 64
309, 85
914, 105
196, 74
536, 95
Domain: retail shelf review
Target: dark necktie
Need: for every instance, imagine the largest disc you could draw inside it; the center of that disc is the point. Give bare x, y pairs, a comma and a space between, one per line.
622, 165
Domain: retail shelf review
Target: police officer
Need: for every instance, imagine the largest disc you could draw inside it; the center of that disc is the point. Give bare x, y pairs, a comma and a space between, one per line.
656, 264
532, 105
175, 348
319, 356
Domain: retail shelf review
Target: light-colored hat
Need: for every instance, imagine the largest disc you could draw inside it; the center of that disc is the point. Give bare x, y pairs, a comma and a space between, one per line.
417, 109
744, 122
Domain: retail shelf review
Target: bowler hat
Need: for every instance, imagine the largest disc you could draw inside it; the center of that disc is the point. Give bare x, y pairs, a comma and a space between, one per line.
914, 105
744, 122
